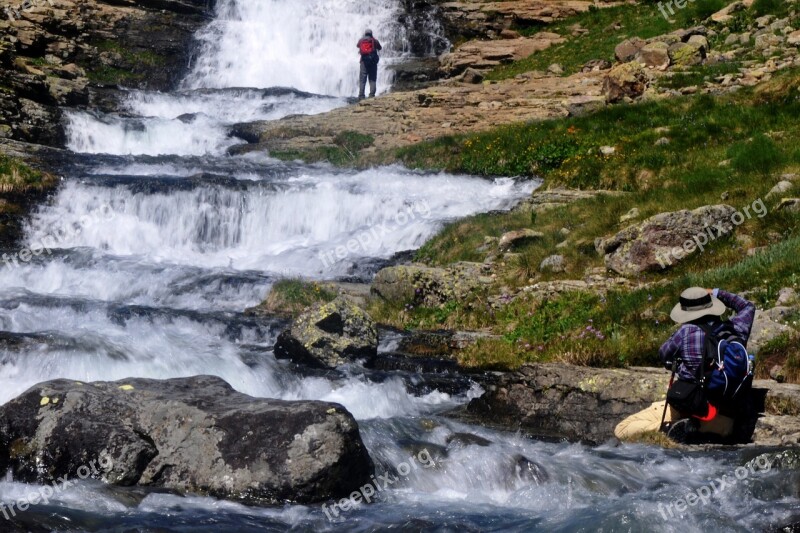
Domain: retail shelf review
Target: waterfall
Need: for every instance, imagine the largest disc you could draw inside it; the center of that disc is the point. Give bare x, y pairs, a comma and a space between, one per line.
306, 44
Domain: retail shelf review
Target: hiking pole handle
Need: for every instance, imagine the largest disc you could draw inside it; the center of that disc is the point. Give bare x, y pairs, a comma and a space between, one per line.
671, 381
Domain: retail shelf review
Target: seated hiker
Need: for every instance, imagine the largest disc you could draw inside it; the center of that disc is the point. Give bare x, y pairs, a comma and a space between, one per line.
368, 47
713, 368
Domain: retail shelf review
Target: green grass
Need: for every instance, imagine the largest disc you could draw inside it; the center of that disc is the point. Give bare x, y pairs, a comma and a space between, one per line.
292, 296
737, 144
698, 75
608, 27
17, 177
345, 150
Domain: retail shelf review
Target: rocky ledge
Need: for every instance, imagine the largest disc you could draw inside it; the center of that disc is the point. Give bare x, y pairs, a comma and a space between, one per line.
63, 52
580, 403
194, 435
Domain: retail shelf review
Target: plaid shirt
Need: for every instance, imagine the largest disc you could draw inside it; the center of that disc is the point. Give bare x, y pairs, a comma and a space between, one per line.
688, 342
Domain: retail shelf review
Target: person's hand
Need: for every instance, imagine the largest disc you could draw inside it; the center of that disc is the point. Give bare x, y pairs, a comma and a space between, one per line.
710, 291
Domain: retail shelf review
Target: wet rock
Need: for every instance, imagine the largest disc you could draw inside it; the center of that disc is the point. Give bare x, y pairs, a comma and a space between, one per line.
514, 239
628, 80
528, 471
579, 403
429, 286
664, 239
328, 335
462, 440
190, 435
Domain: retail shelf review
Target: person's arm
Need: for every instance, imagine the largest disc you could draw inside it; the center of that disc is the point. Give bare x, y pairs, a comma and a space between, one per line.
670, 349
745, 312
378, 45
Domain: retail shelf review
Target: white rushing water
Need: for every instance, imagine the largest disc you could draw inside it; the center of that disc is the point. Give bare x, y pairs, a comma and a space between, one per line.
309, 45
144, 260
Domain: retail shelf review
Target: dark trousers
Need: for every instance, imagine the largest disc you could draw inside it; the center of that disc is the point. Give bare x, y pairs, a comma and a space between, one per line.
369, 70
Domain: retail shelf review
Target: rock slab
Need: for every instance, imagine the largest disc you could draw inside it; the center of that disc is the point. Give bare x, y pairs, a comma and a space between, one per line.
329, 335
191, 435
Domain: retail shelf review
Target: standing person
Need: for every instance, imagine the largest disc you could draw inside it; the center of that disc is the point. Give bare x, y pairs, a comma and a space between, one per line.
698, 312
368, 47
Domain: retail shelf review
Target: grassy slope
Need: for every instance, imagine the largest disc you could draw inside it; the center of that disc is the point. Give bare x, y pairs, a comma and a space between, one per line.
737, 145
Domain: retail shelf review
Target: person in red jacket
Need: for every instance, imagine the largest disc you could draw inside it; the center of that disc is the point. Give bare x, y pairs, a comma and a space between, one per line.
368, 47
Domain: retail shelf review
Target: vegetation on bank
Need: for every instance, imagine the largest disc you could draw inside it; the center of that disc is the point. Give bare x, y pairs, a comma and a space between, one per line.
292, 296
657, 156
669, 155
609, 27
17, 177
344, 151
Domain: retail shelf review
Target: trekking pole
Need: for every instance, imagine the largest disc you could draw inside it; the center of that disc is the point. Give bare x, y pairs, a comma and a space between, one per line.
666, 404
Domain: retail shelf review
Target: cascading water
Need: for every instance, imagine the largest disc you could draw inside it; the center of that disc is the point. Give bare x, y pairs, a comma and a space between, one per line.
309, 45
157, 240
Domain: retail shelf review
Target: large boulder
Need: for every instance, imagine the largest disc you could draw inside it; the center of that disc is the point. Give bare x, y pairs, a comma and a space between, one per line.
655, 55
194, 435
628, 80
581, 403
328, 335
628, 49
665, 239
686, 54
565, 401
429, 286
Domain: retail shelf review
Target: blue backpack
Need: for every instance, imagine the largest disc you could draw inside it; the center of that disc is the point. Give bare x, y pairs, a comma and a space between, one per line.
728, 365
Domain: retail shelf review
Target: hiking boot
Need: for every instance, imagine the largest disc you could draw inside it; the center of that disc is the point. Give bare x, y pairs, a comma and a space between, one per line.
683, 430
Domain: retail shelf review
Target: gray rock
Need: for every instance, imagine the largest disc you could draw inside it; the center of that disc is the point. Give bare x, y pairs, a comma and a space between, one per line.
429, 286
764, 330
329, 335
190, 435
790, 204
556, 69
554, 263
628, 80
700, 42
786, 296
655, 55
633, 214
664, 239
782, 187
662, 141
513, 239
686, 55
627, 49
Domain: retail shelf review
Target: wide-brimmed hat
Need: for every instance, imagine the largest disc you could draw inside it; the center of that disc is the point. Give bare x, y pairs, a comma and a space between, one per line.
696, 303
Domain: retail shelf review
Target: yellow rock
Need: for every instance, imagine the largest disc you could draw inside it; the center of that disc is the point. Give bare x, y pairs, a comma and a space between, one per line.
126, 387
45, 401
331, 411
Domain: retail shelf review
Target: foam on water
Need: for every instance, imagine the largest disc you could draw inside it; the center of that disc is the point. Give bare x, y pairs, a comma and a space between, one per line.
308, 45
315, 225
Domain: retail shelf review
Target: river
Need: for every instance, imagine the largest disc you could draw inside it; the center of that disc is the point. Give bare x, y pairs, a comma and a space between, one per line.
157, 240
